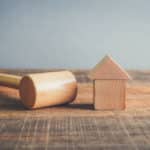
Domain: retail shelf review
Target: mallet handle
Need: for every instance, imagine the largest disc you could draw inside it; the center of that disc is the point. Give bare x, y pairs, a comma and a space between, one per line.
8, 80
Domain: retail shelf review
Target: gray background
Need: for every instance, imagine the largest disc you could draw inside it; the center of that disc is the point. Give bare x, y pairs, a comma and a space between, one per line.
74, 33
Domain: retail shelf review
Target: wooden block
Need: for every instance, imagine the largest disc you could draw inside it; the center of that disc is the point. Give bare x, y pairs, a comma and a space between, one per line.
109, 80
108, 69
109, 94
48, 89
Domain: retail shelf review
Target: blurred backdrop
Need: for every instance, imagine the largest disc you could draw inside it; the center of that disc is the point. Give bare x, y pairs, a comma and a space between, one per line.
74, 33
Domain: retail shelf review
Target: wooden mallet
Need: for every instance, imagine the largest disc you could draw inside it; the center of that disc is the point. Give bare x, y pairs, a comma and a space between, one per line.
43, 89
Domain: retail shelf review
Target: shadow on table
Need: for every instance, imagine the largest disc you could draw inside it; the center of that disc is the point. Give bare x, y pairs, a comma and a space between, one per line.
8, 103
81, 106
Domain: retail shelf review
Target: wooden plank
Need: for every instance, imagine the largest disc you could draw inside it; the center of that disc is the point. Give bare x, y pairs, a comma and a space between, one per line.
109, 94
107, 132
77, 126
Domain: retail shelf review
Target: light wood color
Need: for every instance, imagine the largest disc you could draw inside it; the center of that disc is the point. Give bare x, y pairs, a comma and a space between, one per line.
109, 80
77, 126
43, 89
109, 94
48, 89
10, 80
108, 69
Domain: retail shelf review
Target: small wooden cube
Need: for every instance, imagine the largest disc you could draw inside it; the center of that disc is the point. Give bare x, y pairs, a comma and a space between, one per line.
109, 94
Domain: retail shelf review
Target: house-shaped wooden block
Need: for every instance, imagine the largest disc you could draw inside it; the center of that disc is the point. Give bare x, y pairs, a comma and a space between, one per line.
109, 83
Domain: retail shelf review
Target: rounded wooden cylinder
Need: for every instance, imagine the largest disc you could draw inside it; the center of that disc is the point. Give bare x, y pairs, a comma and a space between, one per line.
9, 80
47, 89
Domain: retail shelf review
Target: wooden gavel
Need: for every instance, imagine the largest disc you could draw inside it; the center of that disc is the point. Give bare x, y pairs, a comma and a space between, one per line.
43, 89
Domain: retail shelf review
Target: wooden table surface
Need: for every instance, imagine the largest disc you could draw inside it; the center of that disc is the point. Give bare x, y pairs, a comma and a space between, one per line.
77, 125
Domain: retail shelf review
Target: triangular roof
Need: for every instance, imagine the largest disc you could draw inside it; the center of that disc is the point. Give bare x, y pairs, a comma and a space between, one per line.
108, 69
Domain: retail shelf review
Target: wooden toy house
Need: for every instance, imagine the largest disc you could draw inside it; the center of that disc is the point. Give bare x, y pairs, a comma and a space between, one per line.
109, 85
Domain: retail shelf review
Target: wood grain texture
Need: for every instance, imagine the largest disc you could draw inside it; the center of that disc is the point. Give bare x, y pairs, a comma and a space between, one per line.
109, 94
77, 126
108, 68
